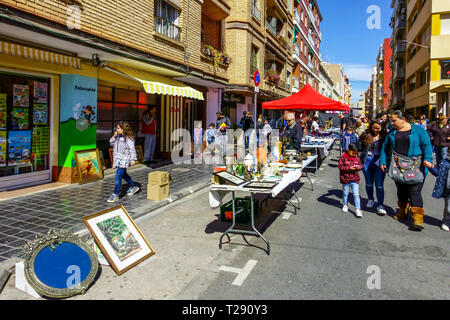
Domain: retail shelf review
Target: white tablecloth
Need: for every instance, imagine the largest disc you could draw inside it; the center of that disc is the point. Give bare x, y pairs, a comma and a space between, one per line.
218, 192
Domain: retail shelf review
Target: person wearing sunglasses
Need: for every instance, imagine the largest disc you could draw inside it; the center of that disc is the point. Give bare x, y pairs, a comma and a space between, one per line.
293, 132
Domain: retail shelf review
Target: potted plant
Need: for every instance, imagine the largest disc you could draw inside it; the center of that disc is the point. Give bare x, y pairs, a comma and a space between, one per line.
208, 50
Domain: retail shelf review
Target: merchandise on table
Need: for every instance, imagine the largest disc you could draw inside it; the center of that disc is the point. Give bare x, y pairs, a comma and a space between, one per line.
19, 145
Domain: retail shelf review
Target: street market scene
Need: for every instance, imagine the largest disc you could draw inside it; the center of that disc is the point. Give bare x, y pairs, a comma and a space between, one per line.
224, 150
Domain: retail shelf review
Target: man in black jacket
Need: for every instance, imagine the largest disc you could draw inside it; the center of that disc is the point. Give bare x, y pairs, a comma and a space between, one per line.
223, 123
294, 132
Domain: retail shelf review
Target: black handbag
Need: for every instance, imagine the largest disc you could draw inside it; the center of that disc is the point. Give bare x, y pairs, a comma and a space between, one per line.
406, 170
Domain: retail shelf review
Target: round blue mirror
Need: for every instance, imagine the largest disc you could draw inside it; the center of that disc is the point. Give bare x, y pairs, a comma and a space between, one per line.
60, 265
63, 267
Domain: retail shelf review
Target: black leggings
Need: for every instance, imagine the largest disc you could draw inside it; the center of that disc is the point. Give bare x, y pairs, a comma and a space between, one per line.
411, 193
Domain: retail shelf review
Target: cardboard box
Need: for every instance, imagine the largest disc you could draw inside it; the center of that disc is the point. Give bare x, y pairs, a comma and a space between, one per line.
159, 178
157, 193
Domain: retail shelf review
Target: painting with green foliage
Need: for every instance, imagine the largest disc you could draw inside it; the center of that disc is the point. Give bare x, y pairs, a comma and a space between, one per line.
119, 237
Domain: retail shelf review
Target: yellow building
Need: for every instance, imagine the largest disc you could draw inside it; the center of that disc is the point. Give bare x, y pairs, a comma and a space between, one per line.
70, 72
427, 56
258, 37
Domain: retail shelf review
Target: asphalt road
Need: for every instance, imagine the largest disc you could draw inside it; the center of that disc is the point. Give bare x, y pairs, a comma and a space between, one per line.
323, 253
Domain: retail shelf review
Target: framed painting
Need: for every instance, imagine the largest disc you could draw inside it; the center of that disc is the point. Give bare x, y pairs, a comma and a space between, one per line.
261, 185
229, 178
139, 154
89, 166
118, 237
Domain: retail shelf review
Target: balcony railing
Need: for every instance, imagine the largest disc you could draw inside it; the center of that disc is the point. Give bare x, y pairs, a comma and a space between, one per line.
296, 83
272, 26
311, 40
255, 12
400, 23
400, 48
311, 65
297, 50
399, 73
167, 28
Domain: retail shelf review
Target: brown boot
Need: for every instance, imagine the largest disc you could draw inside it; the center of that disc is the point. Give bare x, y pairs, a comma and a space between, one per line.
417, 214
403, 211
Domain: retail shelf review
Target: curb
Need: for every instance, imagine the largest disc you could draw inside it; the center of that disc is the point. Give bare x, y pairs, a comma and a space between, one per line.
7, 267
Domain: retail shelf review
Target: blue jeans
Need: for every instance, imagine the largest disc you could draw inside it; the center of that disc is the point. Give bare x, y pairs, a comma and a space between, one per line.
441, 154
373, 174
355, 189
121, 173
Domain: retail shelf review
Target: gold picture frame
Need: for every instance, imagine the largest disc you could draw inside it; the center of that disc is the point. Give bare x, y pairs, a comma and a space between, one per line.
89, 166
119, 238
139, 154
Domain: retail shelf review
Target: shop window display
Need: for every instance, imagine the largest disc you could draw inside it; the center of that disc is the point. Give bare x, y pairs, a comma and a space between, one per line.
118, 104
24, 124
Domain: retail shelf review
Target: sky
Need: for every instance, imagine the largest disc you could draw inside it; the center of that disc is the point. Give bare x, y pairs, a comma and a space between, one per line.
347, 39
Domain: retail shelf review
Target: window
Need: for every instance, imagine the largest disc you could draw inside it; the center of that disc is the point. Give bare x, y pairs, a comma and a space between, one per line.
117, 104
424, 77
166, 20
412, 84
445, 69
445, 24
254, 60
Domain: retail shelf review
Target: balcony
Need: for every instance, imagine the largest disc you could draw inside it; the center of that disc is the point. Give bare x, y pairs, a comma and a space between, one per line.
400, 48
256, 12
400, 23
311, 65
272, 26
296, 83
165, 27
399, 73
297, 18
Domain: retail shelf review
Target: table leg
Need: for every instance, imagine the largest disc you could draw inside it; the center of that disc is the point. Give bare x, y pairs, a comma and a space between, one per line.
253, 223
233, 224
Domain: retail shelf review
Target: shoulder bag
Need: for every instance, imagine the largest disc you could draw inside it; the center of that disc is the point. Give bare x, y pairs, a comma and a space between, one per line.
405, 169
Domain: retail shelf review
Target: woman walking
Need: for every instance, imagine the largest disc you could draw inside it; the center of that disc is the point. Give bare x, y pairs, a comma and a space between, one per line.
440, 138
370, 146
407, 143
124, 155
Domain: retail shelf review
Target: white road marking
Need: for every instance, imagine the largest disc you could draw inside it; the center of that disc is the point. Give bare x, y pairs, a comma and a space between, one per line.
170, 199
286, 215
242, 273
191, 191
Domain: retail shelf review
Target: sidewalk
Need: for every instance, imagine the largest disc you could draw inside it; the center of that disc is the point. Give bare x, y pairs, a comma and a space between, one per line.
23, 217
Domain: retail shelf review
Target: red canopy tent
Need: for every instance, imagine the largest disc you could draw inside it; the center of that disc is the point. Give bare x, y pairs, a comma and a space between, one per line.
306, 99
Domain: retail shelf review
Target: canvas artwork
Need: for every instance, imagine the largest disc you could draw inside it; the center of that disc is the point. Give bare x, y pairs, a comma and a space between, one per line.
40, 114
19, 147
40, 91
88, 165
119, 237
21, 96
3, 152
230, 178
20, 119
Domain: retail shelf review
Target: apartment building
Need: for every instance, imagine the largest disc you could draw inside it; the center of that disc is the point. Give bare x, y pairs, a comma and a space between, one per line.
70, 71
258, 37
397, 61
326, 85
307, 38
427, 56
384, 76
347, 91
440, 56
338, 77
368, 98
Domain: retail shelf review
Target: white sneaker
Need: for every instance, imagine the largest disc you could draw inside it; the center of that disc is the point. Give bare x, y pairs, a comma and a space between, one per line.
358, 213
370, 204
445, 227
381, 211
345, 208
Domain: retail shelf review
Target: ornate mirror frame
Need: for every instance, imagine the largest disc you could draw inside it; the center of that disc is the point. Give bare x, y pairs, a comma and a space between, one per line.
52, 239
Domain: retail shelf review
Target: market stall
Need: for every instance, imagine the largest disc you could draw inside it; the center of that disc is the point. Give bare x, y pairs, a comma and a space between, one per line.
270, 185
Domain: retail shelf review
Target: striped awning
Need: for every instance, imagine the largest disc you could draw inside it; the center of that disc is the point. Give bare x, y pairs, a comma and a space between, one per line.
157, 84
39, 55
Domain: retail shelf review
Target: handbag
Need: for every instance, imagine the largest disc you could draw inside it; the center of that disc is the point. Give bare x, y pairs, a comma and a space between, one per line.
405, 169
